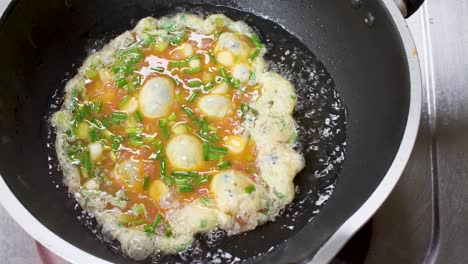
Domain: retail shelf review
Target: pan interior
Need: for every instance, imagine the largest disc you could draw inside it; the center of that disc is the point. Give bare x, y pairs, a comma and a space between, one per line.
321, 124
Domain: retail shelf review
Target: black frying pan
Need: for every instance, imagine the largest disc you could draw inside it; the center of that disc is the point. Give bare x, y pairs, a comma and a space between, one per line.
354, 77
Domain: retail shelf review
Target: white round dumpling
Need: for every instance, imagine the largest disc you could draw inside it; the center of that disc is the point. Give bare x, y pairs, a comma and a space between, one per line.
185, 152
241, 72
193, 218
215, 105
273, 129
236, 194
156, 97
279, 164
129, 173
232, 43
278, 95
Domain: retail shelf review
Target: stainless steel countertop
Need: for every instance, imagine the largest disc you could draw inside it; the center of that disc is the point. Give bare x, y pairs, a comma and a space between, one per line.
427, 212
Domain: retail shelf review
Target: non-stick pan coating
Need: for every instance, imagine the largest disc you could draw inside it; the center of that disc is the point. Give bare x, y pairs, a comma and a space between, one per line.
45, 43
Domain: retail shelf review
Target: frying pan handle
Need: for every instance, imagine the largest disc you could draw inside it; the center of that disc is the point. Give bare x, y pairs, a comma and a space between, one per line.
408, 7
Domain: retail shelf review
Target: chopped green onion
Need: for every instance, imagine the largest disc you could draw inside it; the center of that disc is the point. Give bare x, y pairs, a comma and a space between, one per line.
163, 127
157, 221
157, 69
198, 122
185, 188
180, 174
187, 110
244, 109
97, 123
206, 152
147, 41
205, 200
203, 137
138, 116
92, 74
255, 54
172, 117
138, 222
194, 84
86, 160
193, 96
148, 229
208, 86
124, 101
203, 223
201, 179
212, 57
180, 181
117, 117
250, 189
163, 167
224, 73
121, 82
176, 39
256, 41
224, 165
146, 181
133, 130
168, 232
135, 143
159, 152
138, 209
106, 121
176, 64
191, 70
219, 150
93, 135
194, 57
252, 76
167, 180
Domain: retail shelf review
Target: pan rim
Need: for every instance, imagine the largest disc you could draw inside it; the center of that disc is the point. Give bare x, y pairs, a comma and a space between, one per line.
344, 233
329, 249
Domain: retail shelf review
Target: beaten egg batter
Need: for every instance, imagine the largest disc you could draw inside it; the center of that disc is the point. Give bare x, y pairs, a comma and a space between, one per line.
176, 128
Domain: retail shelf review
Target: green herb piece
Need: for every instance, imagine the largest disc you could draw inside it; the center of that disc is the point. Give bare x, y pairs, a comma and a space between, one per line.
218, 150
180, 181
192, 70
279, 195
180, 174
249, 189
255, 54
194, 84
148, 229
172, 117
201, 179
256, 41
146, 181
208, 86
157, 221
157, 69
177, 64
252, 76
176, 39
185, 188
121, 82
97, 124
163, 127
169, 182
224, 165
138, 209
159, 152
168, 232
163, 167
93, 135
106, 121
203, 223
138, 222
212, 57
135, 143
206, 152
203, 137
133, 130
244, 109
86, 160
205, 200
118, 117
92, 74
198, 122
148, 40
74, 100
124, 101
138, 116
194, 57
187, 110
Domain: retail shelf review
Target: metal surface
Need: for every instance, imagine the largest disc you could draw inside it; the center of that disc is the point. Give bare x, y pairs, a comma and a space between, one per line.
424, 220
